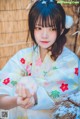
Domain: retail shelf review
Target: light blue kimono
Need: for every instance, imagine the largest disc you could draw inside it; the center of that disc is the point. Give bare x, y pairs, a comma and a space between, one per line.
56, 80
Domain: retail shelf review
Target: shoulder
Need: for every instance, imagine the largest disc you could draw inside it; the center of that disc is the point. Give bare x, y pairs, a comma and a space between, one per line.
67, 55
23, 52
18, 61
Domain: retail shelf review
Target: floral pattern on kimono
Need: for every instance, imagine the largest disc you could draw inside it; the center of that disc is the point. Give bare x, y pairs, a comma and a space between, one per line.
56, 80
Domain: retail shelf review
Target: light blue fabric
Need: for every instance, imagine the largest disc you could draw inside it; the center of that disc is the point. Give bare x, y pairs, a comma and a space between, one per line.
44, 101
49, 75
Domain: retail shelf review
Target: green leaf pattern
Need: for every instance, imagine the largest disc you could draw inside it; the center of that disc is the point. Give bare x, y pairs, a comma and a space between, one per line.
13, 83
55, 94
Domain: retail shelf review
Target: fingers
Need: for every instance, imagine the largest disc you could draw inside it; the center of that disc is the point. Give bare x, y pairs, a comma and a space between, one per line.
24, 97
28, 106
28, 93
22, 91
28, 103
25, 103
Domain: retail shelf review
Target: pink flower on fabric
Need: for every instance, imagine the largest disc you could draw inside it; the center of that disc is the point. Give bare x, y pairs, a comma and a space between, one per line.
28, 69
22, 60
38, 62
76, 71
46, 84
6, 81
64, 87
60, 82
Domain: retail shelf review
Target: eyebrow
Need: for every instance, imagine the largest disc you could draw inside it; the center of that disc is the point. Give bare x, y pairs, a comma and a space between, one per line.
38, 25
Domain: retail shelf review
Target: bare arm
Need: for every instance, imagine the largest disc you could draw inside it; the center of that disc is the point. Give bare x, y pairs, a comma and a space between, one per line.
24, 99
8, 102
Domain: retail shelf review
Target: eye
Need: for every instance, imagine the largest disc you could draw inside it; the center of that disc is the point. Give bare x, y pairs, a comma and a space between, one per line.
38, 28
53, 28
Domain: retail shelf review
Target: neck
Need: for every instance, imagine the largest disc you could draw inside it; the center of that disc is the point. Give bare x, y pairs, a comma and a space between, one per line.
43, 53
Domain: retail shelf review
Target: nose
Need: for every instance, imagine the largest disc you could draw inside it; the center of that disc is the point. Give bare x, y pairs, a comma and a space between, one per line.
44, 33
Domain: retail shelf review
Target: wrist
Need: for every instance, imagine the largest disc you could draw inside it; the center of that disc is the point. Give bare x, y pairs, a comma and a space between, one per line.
35, 98
18, 100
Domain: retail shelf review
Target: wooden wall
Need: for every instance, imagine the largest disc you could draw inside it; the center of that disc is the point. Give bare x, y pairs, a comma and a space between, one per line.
14, 29
73, 41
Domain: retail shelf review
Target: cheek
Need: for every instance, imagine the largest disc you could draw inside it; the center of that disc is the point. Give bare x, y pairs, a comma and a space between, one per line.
34, 32
53, 36
36, 35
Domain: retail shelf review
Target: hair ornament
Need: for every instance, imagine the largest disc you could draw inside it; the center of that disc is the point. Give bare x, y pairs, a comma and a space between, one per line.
51, 0
48, 1
44, 2
69, 22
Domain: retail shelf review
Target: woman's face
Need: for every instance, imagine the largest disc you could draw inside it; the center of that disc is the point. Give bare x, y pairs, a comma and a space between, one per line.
45, 36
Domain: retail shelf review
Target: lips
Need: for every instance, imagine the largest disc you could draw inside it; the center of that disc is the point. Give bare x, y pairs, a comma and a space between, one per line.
45, 41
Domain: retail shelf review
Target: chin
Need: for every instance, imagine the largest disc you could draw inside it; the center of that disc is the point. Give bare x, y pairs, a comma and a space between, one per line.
44, 47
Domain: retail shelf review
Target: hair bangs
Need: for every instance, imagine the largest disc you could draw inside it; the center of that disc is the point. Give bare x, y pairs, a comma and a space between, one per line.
45, 21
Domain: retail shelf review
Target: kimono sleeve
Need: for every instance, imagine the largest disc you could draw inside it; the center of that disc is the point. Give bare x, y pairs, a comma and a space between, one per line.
13, 71
43, 100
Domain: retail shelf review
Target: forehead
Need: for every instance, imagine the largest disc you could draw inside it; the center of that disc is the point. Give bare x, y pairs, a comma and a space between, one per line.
45, 21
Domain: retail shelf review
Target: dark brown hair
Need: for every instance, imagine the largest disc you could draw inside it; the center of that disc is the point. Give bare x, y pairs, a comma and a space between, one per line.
49, 14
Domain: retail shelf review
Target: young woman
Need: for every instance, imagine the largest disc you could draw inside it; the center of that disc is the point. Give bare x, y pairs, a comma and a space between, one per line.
49, 64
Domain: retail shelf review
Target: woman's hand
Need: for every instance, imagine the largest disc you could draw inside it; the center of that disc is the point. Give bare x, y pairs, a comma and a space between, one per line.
24, 98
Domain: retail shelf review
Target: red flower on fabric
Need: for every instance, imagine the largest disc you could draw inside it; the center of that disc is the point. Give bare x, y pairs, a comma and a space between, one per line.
76, 71
6, 81
29, 74
64, 87
22, 60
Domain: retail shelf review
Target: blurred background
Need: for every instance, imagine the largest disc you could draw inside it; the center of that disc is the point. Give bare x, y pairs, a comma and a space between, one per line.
14, 27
